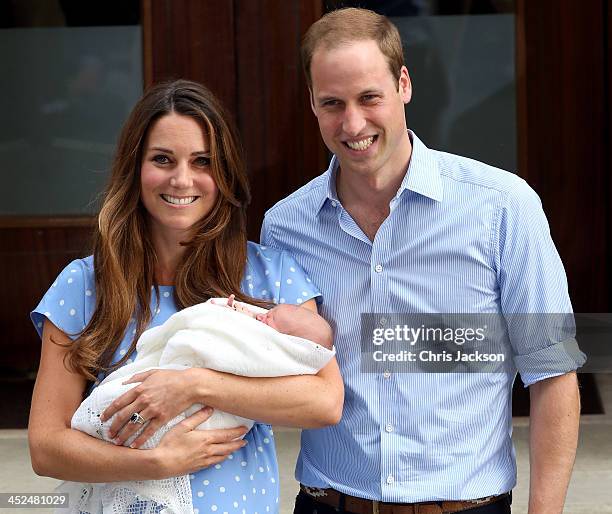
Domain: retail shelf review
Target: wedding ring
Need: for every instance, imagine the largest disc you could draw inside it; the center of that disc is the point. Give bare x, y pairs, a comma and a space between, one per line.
137, 419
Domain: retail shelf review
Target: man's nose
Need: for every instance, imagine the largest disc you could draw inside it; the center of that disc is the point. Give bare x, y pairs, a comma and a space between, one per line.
353, 122
182, 176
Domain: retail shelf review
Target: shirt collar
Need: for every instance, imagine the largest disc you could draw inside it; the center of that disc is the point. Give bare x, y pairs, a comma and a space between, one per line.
329, 191
422, 177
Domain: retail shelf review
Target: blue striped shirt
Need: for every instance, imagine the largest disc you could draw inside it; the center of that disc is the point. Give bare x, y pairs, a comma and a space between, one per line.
461, 236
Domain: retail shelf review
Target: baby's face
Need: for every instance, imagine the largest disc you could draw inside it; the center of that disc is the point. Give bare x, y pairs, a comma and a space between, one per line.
299, 322
279, 317
270, 319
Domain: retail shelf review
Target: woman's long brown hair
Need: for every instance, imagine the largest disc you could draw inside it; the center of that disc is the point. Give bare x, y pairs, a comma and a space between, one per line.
124, 258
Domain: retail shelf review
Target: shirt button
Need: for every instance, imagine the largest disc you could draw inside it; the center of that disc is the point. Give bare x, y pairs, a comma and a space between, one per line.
387, 374
389, 427
334, 203
378, 268
390, 479
383, 321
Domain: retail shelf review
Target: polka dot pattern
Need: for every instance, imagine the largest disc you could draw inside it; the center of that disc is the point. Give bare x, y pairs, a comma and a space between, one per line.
248, 481
65, 300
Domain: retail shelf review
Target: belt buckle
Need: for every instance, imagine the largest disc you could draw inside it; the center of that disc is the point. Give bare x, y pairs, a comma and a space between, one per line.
375, 507
482, 500
315, 492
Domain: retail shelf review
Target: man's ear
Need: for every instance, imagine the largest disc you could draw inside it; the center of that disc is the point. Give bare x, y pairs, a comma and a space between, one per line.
405, 85
312, 105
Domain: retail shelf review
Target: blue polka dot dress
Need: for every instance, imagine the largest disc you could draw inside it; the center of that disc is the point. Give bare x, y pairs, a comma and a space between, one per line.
247, 481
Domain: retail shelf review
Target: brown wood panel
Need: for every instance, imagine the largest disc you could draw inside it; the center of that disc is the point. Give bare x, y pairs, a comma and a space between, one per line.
45, 221
563, 120
522, 126
191, 39
608, 148
30, 259
280, 134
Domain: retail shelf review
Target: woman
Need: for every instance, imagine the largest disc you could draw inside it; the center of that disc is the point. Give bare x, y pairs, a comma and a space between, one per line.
171, 233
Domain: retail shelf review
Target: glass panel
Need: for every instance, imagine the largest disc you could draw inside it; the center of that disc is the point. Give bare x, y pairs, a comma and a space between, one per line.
65, 93
460, 56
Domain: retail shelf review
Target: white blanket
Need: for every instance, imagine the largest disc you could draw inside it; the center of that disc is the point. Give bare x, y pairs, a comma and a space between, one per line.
207, 336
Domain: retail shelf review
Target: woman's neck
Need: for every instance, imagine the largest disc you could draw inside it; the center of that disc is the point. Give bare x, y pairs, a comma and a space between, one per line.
169, 253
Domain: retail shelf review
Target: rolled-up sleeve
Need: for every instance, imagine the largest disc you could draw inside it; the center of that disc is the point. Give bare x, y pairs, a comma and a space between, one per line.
533, 290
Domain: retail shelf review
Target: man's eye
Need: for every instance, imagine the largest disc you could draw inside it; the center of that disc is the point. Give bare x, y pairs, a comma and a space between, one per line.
368, 98
161, 159
330, 103
202, 161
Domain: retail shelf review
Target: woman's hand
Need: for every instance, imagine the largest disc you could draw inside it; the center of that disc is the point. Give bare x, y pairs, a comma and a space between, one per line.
185, 450
161, 395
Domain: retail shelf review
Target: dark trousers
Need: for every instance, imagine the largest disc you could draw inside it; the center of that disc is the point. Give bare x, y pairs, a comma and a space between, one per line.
305, 504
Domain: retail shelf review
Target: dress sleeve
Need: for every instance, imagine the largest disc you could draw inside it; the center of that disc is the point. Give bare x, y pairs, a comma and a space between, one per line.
66, 302
295, 286
533, 290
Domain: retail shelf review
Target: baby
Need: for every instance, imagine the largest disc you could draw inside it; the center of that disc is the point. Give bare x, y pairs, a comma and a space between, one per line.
287, 319
221, 334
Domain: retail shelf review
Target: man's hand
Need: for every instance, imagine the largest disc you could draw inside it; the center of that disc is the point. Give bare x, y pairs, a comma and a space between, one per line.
553, 438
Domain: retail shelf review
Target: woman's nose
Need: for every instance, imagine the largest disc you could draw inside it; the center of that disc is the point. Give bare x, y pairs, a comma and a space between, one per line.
181, 177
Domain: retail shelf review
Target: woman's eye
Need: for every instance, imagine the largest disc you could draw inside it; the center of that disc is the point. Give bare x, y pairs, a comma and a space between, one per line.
161, 159
202, 161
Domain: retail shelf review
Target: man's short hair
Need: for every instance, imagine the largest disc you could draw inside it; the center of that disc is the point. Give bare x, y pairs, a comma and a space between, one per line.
351, 24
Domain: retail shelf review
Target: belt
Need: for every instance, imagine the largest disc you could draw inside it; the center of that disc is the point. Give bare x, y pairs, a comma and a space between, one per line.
354, 505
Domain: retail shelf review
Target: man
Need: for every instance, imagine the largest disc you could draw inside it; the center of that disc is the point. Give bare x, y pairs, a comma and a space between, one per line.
394, 227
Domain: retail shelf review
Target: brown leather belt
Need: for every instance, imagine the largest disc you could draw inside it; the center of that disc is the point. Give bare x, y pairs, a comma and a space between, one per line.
355, 505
